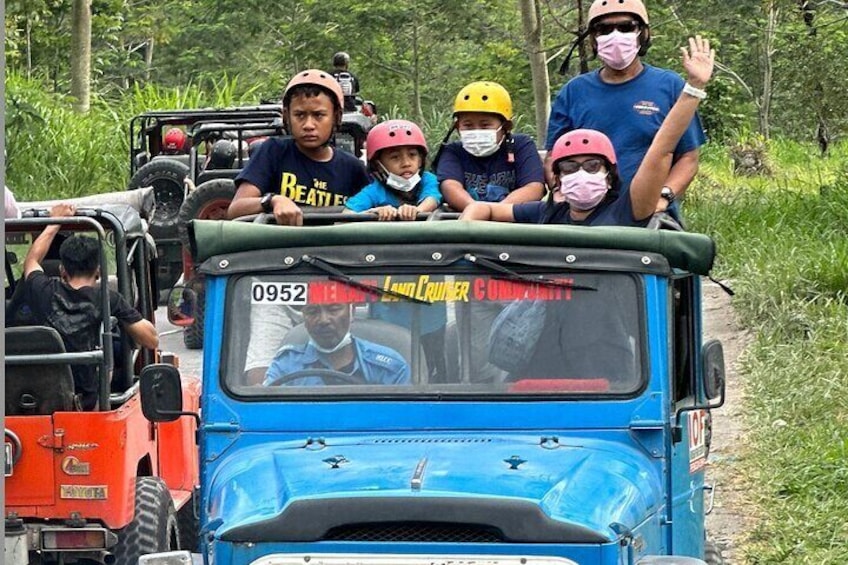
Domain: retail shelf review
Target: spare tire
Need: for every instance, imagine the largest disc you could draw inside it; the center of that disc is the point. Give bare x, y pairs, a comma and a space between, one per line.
209, 201
166, 177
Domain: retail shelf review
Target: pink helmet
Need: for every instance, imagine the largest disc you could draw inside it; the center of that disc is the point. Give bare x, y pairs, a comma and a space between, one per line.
394, 133
174, 140
316, 77
583, 142
600, 8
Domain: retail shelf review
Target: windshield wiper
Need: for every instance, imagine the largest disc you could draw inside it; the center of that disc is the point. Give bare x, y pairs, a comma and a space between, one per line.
508, 274
336, 275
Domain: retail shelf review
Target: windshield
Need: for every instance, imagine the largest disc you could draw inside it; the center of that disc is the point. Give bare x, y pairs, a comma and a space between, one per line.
460, 334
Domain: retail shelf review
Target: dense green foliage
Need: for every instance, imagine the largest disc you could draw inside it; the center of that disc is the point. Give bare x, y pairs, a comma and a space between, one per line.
412, 57
783, 245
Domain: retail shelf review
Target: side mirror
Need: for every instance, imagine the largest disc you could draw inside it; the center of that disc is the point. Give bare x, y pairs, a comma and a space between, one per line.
182, 305
161, 393
712, 370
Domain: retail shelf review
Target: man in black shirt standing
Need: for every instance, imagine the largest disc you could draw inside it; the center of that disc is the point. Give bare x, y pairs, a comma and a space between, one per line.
71, 303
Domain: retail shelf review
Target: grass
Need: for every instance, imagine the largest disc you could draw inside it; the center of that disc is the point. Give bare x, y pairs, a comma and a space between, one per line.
783, 244
54, 152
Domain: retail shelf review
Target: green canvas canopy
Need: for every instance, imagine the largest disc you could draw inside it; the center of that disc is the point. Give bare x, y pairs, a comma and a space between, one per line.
691, 252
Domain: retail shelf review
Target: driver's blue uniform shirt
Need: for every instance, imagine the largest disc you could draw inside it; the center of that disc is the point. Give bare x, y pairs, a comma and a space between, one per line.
375, 363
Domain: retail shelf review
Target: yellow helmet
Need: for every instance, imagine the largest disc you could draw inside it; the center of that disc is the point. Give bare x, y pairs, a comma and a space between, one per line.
484, 96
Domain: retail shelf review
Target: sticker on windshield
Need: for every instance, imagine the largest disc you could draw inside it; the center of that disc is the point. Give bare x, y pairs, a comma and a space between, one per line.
289, 293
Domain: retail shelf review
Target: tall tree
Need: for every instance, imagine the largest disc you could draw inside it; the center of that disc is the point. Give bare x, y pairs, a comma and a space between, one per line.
532, 20
81, 55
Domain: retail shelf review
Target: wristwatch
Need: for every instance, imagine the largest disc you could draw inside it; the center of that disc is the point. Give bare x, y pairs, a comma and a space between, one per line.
267, 202
667, 193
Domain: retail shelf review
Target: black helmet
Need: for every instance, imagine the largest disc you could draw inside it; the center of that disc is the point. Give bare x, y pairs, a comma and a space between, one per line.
223, 154
341, 59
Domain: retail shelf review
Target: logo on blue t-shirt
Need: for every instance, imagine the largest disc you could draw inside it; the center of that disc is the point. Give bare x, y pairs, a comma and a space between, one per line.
646, 107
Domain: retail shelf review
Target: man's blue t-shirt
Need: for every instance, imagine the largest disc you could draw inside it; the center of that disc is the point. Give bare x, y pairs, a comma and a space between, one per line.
617, 212
629, 113
376, 194
492, 178
278, 166
373, 363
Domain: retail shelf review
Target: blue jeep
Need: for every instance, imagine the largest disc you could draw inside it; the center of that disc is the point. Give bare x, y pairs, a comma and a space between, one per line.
450, 392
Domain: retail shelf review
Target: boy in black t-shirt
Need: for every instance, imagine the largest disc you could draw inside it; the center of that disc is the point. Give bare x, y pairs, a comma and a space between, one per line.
71, 304
305, 170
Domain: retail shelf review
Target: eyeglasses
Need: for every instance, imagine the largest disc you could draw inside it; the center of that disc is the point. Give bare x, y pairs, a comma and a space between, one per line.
591, 166
622, 27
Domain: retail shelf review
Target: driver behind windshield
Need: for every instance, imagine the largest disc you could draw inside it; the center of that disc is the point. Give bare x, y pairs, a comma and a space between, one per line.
331, 347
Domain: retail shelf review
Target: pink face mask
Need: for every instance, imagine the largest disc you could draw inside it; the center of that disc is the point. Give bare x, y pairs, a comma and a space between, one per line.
583, 191
617, 50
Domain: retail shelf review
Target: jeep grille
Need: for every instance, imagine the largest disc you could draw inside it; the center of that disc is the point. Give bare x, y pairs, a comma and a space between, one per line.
416, 532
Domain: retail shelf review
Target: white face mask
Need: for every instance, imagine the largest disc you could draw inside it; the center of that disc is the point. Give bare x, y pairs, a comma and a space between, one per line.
399, 183
480, 142
346, 340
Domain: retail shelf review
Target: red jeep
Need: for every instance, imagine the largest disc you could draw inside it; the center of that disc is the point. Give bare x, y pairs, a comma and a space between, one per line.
100, 486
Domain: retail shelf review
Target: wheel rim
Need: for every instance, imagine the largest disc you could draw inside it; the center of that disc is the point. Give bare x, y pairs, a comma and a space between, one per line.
214, 210
169, 198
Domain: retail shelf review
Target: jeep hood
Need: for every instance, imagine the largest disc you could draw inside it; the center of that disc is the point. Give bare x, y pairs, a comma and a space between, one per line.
571, 490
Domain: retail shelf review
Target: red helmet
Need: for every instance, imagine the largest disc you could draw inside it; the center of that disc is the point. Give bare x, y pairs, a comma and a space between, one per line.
174, 141
582, 142
317, 77
394, 133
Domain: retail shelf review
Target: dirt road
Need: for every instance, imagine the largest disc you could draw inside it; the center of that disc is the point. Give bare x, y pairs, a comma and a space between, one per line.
729, 520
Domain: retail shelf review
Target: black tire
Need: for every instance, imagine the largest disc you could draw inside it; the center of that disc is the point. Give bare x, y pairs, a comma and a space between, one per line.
189, 527
154, 525
193, 334
209, 201
166, 177
712, 554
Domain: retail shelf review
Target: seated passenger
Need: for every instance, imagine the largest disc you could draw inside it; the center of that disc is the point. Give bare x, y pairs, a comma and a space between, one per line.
305, 170
590, 336
489, 163
590, 191
331, 347
401, 188
71, 304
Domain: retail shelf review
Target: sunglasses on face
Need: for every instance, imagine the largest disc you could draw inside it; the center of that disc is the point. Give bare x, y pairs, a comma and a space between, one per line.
622, 27
591, 166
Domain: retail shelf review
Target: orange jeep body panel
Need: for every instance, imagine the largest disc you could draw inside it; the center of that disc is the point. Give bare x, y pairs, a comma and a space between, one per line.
85, 463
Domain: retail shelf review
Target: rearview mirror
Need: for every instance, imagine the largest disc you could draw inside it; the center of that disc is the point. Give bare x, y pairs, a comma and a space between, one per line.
712, 370
182, 306
161, 393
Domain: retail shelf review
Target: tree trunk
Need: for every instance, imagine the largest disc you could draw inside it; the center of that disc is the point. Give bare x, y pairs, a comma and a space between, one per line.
532, 21
581, 49
416, 75
764, 117
81, 55
29, 46
148, 58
